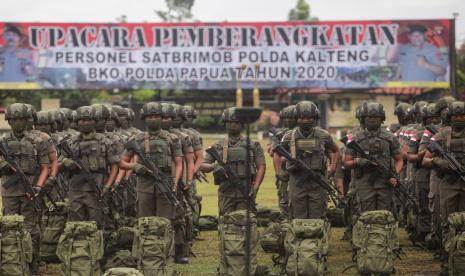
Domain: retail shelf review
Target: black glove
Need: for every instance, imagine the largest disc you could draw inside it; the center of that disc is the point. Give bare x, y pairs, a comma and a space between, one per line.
140, 169
219, 171
363, 162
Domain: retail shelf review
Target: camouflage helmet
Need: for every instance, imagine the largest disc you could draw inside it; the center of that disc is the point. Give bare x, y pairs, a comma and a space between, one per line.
456, 108
131, 114
100, 111
16, 111
120, 111
373, 109
401, 109
429, 110
111, 111
67, 113
288, 112
418, 107
443, 103
168, 110
58, 115
189, 111
229, 115
179, 111
358, 109
31, 110
85, 113
73, 116
151, 108
307, 109
44, 117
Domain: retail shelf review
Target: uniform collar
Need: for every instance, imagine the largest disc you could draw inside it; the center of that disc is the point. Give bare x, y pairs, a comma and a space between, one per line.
234, 140
89, 136
309, 134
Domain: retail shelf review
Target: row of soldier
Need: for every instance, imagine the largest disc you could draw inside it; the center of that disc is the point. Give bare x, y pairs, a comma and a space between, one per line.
413, 169
80, 157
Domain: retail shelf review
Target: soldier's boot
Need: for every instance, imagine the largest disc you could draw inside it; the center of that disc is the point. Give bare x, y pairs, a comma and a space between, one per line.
179, 254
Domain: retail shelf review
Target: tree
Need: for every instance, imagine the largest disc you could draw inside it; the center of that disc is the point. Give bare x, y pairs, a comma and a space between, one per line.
178, 10
302, 12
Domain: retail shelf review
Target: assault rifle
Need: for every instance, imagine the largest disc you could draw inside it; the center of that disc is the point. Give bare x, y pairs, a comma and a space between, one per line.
84, 170
21, 177
454, 164
233, 179
400, 188
162, 180
309, 173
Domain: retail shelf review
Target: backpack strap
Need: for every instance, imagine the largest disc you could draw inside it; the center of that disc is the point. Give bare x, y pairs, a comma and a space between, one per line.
146, 143
225, 148
19, 244
293, 147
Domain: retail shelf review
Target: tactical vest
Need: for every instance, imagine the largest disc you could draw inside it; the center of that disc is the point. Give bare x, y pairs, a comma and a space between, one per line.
158, 149
236, 157
24, 153
456, 145
93, 153
378, 147
310, 150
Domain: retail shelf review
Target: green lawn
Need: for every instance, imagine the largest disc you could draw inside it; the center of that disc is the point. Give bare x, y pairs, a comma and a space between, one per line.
415, 261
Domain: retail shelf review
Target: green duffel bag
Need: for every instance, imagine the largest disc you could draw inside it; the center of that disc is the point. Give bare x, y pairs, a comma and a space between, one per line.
154, 246
231, 230
53, 225
208, 223
80, 248
15, 246
123, 271
306, 243
122, 258
272, 238
376, 242
455, 243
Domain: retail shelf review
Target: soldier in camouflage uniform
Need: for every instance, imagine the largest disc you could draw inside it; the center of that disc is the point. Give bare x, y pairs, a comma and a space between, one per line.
452, 194
184, 222
131, 118
421, 175
121, 121
97, 153
288, 118
314, 146
164, 150
68, 119
232, 150
433, 196
374, 187
31, 152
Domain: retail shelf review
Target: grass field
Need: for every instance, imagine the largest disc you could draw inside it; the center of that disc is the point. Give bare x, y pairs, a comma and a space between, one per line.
414, 262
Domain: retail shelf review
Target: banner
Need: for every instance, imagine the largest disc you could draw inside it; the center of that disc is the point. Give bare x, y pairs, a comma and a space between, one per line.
327, 55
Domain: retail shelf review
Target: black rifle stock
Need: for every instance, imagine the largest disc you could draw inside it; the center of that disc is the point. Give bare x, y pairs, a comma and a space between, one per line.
162, 180
233, 179
332, 193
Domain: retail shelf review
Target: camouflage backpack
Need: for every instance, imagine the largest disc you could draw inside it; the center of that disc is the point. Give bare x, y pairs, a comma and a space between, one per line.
154, 246
231, 230
455, 243
306, 243
53, 225
122, 258
272, 238
207, 223
15, 246
80, 248
123, 271
376, 242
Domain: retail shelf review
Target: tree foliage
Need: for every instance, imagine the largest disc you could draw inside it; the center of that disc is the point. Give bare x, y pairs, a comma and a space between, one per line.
177, 11
301, 12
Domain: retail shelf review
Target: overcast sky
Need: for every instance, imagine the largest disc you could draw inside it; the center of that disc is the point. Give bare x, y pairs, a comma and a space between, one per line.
231, 10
